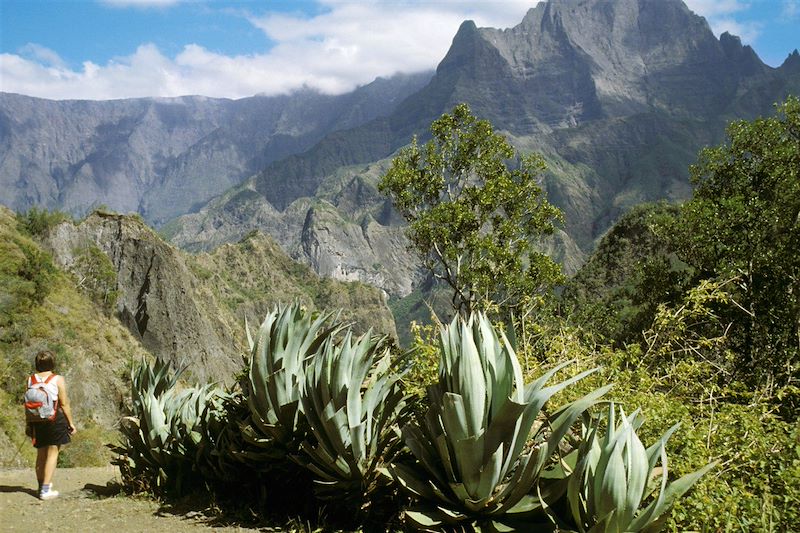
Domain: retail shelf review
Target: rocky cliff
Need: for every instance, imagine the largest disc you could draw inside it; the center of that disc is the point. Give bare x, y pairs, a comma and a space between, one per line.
190, 310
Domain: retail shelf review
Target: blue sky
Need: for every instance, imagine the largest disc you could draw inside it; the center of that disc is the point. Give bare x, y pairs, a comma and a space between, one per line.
102, 49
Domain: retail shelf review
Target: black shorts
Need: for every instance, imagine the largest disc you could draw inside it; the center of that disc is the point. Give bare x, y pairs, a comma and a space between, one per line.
55, 433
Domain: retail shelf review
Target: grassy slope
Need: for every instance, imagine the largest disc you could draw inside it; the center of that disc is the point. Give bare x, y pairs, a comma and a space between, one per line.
94, 351
250, 277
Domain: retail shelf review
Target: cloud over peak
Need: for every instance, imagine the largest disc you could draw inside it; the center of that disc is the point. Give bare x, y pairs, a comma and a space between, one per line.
332, 48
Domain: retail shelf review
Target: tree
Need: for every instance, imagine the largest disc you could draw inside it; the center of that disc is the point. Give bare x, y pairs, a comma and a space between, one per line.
473, 220
632, 272
743, 223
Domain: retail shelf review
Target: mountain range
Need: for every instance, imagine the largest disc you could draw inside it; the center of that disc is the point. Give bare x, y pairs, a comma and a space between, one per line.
163, 157
617, 96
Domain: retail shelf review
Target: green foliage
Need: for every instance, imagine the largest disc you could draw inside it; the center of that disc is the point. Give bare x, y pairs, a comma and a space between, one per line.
718, 278
37, 222
692, 331
757, 487
754, 488
423, 362
96, 275
26, 277
742, 224
632, 271
473, 220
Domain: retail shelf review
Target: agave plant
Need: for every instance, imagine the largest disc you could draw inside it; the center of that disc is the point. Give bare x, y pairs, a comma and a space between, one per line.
223, 454
353, 402
286, 339
479, 453
612, 476
160, 440
151, 379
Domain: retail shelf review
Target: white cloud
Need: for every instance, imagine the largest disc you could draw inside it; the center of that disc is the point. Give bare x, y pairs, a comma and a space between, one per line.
348, 44
42, 54
791, 9
721, 16
716, 8
748, 31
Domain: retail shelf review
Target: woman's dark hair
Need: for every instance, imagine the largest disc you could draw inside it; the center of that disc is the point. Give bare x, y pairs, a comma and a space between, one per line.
45, 360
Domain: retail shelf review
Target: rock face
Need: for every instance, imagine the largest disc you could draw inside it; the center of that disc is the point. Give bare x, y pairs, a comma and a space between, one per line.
339, 249
618, 96
348, 231
189, 309
162, 157
159, 301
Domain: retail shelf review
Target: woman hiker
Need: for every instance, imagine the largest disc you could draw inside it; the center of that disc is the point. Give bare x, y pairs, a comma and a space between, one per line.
48, 436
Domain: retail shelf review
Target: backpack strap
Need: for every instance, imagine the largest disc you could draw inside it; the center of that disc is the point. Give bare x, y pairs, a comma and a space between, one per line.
34, 379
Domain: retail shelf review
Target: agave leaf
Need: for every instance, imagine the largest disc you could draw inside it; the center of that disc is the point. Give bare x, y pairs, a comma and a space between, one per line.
528, 473
455, 420
473, 435
250, 342
421, 448
638, 471
409, 479
654, 451
351, 399
491, 474
424, 520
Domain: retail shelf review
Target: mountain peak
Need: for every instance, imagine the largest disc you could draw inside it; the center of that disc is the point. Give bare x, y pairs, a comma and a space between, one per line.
574, 60
792, 62
743, 55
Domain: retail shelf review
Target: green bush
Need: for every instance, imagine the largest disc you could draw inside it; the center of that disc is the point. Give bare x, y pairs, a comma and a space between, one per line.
756, 486
97, 276
37, 222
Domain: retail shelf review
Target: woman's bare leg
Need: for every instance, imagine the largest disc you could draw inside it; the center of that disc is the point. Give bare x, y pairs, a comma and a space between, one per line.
50, 463
41, 459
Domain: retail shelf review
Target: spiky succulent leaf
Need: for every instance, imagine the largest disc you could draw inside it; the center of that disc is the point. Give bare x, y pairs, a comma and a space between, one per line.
472, 463
285, 341
160, 442
353, 402
607, 489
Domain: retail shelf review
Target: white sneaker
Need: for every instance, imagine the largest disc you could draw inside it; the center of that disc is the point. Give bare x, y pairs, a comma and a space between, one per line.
49, 495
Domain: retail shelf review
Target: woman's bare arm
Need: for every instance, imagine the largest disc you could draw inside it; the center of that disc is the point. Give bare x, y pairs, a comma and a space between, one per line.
63, 399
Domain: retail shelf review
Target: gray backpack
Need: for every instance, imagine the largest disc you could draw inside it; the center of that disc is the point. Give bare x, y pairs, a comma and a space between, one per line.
39, 405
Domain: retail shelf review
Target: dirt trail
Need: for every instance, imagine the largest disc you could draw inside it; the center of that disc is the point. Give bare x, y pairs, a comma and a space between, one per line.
88, 503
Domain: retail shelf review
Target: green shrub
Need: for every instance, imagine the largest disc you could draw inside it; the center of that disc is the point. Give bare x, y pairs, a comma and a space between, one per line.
97, 276
37, 222
89, 447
